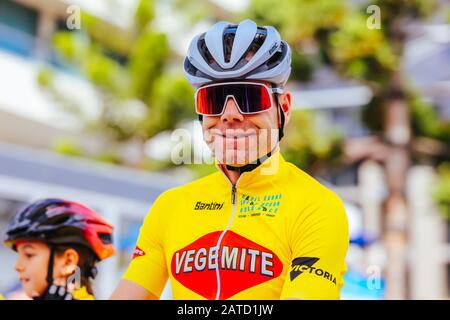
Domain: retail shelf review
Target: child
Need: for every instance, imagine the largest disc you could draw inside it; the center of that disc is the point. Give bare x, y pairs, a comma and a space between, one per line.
58, 240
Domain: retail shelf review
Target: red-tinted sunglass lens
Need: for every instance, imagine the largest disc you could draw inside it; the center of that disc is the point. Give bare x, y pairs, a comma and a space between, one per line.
210, 100
251, 98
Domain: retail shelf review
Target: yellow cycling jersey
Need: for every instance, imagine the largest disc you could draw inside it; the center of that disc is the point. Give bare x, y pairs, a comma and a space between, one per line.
78, 294
82, 294
278, 233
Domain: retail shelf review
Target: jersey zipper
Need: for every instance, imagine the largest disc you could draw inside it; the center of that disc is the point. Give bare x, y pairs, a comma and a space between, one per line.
233, 202
233, 194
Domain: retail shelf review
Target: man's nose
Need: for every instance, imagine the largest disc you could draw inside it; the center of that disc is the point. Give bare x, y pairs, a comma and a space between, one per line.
231, 112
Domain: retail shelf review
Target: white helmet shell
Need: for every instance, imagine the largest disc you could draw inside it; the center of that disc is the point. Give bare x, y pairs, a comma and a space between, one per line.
236, 52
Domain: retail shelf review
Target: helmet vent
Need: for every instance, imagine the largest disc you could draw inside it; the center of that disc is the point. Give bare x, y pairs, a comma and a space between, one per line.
257, 42
105, 238
228, 40
276, 58
56, 220
204, 51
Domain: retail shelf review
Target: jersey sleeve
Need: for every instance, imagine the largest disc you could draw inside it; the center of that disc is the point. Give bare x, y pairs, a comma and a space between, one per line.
319, 241
148, 267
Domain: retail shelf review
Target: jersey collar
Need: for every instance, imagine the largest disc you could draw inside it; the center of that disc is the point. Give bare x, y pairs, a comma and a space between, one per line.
269, 170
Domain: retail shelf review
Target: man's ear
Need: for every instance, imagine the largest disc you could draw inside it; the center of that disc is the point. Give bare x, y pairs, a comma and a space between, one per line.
286, 99
285, 103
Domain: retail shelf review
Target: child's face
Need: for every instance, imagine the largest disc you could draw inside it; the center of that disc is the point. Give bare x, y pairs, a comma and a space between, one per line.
32, 266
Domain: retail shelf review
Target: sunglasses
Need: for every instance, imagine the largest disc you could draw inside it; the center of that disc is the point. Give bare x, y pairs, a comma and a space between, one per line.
250, 97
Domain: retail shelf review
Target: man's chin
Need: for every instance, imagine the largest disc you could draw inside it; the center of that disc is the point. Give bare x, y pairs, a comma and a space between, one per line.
236, 158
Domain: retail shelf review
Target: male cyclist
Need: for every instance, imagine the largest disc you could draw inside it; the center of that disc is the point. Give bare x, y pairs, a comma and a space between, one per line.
259, 228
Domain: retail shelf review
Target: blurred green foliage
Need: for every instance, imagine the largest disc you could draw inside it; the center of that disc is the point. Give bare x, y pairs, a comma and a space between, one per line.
309, 145
67, 147
45, 77
201, 170
194, 11
425, 120
128, 68
442, 190
171, 103
145, 13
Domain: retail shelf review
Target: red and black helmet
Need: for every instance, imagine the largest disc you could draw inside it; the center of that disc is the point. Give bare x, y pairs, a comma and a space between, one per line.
58, 221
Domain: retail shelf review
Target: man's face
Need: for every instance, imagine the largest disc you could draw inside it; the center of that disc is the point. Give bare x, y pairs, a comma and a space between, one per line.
238, 139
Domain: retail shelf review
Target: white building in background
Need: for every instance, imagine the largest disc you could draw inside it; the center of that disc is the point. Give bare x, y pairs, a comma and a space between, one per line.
26, 31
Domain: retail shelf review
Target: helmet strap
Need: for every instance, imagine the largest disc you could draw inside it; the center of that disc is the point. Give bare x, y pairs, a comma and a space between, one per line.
281, 128
50, 266
92, 272
251, 166
282, 120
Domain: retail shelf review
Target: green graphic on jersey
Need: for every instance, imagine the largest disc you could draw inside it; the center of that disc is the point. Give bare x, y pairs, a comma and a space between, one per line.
261, 205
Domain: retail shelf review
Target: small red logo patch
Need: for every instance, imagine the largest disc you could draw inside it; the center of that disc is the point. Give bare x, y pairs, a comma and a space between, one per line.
138, 252
241, 264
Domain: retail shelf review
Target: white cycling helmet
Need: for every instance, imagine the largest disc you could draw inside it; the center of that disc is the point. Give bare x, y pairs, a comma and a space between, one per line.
244, 51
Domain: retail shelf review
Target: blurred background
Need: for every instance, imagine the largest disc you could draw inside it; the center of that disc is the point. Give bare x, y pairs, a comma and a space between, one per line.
92, 91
